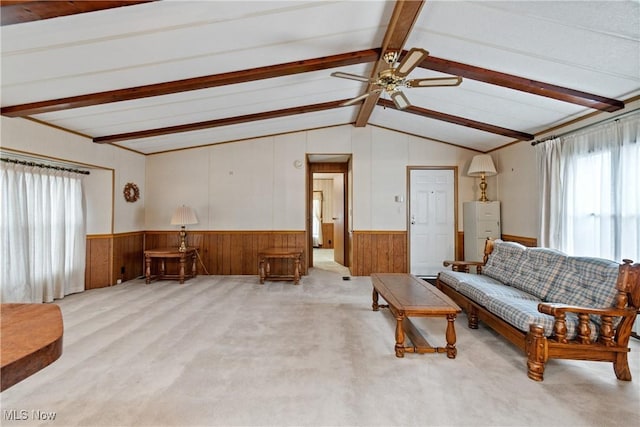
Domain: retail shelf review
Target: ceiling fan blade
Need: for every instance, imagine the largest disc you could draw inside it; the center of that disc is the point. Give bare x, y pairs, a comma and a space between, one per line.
359, 98
438, 81
410, 61
400, 100
351, 76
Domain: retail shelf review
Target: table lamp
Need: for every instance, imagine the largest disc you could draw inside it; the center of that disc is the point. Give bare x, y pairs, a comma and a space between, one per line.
183, 216
482, 166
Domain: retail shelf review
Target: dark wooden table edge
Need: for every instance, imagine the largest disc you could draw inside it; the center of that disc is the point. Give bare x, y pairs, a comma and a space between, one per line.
30, 363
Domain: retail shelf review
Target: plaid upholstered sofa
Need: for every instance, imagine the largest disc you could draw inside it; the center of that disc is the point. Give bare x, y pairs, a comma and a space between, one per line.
549, 304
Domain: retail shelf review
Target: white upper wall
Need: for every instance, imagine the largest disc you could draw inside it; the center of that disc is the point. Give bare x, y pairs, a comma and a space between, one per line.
111, 168
255, 184
517, 185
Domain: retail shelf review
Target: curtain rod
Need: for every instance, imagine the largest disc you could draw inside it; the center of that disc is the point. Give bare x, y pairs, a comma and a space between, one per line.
43, 165
611, 119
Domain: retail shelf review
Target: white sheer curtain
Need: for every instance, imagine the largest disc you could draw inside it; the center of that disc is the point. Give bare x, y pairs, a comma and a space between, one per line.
43, 234
590, 191
317, 218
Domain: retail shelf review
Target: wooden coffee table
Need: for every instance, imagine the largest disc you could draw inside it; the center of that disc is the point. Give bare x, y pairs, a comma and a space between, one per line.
408, 296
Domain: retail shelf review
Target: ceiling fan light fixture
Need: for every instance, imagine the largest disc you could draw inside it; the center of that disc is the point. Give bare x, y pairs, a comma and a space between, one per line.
350, 76
390, 57
359, 98
390, 80
431, 82
400, 100
410, 61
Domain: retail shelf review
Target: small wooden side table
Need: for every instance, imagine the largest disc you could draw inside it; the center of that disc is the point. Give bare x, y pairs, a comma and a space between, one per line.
266, 255
164, 253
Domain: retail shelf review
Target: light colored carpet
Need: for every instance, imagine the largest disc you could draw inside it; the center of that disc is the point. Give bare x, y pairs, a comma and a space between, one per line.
226, 351
323, 260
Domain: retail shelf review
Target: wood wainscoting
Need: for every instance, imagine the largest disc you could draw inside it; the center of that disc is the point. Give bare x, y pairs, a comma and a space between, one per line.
121, 256
128, 255
99, 259
378, 252
110, 257
233, 252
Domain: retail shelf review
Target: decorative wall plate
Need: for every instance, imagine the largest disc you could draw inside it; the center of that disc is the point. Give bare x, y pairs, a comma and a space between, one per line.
131, 192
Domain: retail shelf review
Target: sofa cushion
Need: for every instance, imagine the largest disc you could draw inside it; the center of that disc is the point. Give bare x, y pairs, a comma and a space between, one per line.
452, 278
521, 313
504, 260
586, 282
538, 271
479, 288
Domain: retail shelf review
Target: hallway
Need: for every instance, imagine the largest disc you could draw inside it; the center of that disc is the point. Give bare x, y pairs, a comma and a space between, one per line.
323, 260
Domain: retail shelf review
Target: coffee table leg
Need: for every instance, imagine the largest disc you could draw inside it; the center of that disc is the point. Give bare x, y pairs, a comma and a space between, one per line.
375, 300
400, 336
451, 337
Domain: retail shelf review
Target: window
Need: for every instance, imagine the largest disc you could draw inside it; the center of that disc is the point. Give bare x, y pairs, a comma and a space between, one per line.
42, 234
591, 191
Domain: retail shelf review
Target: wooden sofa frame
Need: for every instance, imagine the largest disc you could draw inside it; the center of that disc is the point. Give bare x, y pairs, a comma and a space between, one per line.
612, 344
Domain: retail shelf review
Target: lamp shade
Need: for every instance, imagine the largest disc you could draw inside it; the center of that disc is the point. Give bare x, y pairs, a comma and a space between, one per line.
482, 164
184, 215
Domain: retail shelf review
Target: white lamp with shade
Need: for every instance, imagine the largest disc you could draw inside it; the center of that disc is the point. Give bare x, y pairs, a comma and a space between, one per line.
183, 216
482, 166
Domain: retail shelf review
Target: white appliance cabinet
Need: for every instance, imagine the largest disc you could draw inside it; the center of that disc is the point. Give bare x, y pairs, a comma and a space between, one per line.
480, 220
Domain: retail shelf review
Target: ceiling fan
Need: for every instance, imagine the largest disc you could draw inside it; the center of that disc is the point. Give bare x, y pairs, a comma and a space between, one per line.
395, 77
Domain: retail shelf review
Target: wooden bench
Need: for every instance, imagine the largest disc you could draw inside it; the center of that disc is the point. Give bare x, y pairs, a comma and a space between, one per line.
264, 263
407, 297
31, 340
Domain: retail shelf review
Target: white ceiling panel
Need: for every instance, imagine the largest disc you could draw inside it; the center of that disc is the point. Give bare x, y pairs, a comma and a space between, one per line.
243, 131
591, 46
492, 104
209, 104
436, 130
516, 41
276, 36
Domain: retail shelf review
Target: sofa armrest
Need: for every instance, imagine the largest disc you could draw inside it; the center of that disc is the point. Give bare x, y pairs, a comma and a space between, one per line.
607, 333
463, 266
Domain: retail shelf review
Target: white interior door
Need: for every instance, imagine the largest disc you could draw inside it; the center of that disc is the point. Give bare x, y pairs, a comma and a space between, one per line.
431, 219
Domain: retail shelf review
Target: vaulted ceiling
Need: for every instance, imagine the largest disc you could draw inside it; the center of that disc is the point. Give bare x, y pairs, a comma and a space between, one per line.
153, 76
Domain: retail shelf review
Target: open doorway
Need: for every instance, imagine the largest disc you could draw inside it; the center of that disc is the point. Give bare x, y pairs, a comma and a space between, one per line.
327, 207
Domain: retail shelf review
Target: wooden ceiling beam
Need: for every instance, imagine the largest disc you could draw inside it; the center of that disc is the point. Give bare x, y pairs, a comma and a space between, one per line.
521, 84
19, 11
405, 14
227, 121
195, 83
523, 136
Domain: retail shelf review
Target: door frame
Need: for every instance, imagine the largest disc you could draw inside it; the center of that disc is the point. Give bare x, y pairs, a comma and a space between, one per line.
328, 167
455, 207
